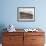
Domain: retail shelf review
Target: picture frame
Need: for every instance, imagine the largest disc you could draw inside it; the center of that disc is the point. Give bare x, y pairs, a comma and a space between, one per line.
26, 14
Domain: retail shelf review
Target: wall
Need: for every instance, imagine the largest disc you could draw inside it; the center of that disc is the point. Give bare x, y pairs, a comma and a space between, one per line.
9, 13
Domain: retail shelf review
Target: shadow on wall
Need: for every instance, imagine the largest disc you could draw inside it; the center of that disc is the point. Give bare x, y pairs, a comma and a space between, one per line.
2, 26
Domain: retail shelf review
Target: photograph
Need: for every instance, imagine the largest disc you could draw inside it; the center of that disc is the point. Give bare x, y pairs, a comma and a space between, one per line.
26, 14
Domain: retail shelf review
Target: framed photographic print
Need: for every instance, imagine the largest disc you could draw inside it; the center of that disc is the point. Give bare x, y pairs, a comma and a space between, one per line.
26, 14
